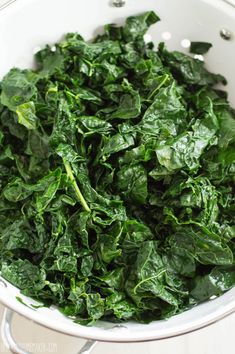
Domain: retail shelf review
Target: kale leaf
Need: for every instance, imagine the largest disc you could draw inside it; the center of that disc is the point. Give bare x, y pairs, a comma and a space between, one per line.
200, 47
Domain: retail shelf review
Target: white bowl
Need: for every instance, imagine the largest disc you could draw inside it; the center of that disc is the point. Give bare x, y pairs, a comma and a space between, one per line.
26, 25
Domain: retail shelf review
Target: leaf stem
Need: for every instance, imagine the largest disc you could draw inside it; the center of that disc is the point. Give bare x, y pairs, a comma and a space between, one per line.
147, 279
158, 87
75, 186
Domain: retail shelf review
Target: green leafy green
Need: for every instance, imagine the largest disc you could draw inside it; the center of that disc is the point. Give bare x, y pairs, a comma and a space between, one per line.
117, 170
26, 115
18, 87
200, 47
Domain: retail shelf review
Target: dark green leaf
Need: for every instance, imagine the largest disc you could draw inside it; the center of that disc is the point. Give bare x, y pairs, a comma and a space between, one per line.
18, 87
200, 47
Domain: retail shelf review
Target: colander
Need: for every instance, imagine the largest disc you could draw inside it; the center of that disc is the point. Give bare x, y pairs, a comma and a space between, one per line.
25, 27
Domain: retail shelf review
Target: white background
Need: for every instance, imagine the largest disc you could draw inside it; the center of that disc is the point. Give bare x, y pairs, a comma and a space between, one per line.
216, 339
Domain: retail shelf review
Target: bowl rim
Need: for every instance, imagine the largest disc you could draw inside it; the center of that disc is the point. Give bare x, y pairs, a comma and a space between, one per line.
223, 306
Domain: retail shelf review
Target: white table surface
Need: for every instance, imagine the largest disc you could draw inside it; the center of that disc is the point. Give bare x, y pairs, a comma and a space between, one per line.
216, 339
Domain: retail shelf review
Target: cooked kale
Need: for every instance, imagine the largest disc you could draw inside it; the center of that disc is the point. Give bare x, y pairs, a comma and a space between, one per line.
117, 178
200, 47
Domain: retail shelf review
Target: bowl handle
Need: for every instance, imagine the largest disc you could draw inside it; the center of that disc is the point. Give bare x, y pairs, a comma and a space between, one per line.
7, 337
11, 344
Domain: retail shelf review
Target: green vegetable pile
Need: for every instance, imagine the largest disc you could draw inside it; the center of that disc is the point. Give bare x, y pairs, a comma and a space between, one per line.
117, 170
